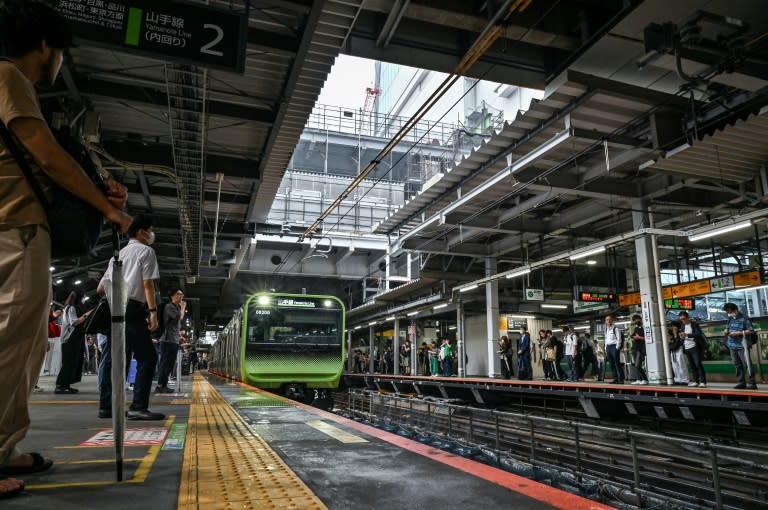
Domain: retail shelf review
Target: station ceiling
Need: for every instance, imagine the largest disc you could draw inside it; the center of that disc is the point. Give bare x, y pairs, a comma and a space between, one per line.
606, 140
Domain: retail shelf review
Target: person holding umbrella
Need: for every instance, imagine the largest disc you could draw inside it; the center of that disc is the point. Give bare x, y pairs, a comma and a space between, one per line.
139, 272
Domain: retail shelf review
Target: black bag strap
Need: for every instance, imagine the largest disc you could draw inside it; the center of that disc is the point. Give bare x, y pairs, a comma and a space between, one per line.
18, 155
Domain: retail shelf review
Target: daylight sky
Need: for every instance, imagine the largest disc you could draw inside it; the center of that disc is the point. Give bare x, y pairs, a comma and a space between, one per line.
347, 82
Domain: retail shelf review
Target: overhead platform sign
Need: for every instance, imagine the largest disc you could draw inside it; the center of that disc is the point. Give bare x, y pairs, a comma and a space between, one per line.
174, 31
699, 287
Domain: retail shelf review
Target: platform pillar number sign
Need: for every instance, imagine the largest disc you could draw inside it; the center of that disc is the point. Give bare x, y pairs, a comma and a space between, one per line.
170, 30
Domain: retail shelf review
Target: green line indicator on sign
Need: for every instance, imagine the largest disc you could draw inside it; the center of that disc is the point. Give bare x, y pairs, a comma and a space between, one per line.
133, 30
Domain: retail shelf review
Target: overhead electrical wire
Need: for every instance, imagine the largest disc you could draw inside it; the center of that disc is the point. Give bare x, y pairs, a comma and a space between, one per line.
485, 40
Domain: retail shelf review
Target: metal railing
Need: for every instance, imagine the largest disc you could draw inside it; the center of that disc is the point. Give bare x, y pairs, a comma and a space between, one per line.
633, 467
345, 120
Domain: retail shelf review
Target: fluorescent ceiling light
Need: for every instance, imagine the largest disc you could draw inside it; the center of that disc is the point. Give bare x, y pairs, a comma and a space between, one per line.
467, 289
581, 327
437, 307
390, 318
372, 323
522, 316
411, 314
52, 269
519, 272
581, 255
357, 327
720, 230
560, 307
591, 262
452, 327
78, 282
59, 281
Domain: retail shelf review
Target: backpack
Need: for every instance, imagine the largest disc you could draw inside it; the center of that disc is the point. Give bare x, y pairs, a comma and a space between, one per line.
752, 338
620, 334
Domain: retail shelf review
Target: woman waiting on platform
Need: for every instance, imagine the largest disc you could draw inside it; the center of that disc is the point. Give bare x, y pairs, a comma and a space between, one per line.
72, 346
694, 345
505, 355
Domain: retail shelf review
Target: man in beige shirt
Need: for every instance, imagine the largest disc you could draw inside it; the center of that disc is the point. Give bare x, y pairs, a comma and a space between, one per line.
32, 39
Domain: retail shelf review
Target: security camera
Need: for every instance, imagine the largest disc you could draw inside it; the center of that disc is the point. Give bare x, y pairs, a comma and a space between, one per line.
212, 261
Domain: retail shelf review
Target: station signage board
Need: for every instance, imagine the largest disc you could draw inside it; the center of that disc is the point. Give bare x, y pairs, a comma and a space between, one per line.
170, 30
596, 297
633, 298
680, 304
582, 307
699, 287
722, 283
534, 294
689, 289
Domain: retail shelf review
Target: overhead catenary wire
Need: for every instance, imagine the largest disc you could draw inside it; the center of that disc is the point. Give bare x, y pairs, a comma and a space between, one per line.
485, 40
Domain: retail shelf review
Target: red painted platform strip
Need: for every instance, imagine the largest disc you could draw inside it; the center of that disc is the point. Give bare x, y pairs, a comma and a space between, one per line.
540, 492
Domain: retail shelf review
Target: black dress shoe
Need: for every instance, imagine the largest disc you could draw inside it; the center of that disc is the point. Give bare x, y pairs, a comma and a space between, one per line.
61, 391
105, 413
145, 414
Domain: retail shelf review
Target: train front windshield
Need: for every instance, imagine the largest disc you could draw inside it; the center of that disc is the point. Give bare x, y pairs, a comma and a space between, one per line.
294, 323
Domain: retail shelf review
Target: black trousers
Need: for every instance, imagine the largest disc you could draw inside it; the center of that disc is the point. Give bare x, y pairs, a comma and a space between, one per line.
696, 364
168, 352
139, 342
72, 352
612, 353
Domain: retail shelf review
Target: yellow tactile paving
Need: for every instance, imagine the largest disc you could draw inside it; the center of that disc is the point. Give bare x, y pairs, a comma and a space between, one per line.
227, 465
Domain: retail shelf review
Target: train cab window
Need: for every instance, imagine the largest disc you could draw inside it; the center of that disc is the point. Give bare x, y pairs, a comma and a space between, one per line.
301, 326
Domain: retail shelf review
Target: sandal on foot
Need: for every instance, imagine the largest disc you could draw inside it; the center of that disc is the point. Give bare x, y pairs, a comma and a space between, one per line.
39, 464
12, 492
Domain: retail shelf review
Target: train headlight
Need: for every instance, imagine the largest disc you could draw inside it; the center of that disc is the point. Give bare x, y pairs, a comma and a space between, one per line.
264, 300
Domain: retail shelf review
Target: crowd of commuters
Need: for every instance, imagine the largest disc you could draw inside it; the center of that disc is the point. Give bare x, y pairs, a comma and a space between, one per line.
623, 350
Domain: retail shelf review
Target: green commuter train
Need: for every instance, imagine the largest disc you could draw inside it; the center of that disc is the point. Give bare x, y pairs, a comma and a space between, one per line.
289, 343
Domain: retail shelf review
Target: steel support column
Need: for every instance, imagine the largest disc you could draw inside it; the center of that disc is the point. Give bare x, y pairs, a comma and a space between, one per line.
658, 361
491, 313
396, 346
460, 346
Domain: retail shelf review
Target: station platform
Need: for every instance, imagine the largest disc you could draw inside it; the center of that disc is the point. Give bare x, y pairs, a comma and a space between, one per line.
226, 445
718, 403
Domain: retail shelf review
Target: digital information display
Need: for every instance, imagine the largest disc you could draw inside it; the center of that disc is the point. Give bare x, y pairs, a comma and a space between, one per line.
174, 31
597, 297
680, 304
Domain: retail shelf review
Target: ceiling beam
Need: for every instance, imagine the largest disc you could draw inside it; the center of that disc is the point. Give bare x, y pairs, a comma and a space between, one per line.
160, 154
154, 96
210, 196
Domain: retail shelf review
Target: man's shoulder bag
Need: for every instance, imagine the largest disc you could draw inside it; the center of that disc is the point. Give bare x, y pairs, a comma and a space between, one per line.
99, 320
75, 225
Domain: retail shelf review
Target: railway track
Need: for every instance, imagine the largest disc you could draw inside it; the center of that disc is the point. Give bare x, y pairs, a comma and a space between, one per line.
636, 468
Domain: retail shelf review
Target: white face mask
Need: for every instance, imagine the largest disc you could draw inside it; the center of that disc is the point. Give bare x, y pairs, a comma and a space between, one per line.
151, 239
732, 315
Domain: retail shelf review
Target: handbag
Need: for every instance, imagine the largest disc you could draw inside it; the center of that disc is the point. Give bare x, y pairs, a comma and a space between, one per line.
99, 320
75, 225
